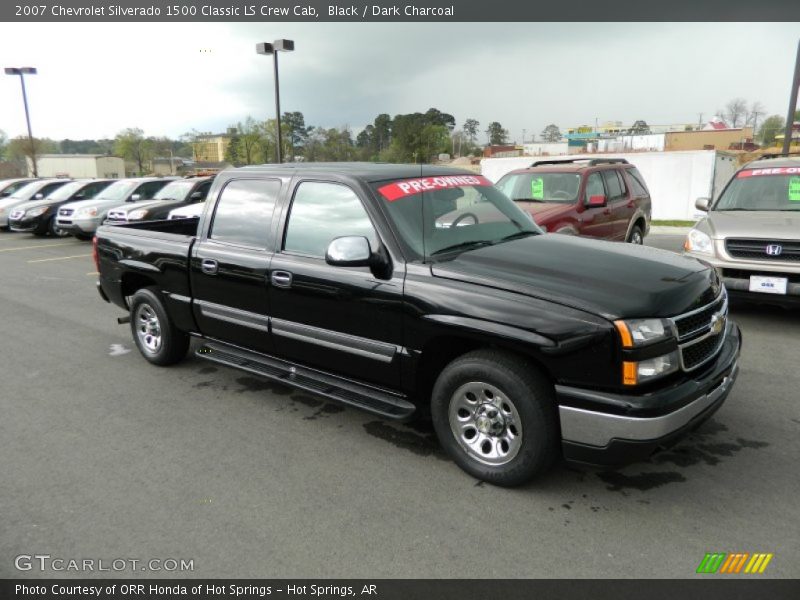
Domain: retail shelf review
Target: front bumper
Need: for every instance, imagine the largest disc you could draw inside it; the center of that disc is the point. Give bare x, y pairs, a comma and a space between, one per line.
618, 436
83, 226
735, 274
29, 225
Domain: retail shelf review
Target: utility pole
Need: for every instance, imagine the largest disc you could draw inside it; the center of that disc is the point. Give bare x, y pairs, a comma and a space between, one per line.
787, 137
700, 119
523, 136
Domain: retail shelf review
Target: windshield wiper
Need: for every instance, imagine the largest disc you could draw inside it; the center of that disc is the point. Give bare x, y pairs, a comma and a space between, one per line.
529, 200
463, 246
516, 236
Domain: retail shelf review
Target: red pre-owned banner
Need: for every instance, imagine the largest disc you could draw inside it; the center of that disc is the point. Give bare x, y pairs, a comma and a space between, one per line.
774, 171
409, 187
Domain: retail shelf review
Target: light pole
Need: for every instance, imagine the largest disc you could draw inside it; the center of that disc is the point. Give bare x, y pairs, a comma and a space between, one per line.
22, 71
274, 48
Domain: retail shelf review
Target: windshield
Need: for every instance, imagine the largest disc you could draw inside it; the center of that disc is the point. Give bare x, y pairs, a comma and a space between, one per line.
66, 190
28, 190
12, 188
762, 189
177, 190
438, 215
541, 187
117, 191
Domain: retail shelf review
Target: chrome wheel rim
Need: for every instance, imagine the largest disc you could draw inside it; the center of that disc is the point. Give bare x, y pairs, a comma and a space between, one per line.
148, 328
636, 238
56, 230
485, 423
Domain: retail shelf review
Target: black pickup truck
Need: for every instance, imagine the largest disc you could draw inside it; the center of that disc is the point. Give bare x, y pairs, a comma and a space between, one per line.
379, 286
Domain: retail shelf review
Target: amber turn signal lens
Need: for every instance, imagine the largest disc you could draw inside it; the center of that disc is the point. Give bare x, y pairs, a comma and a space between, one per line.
624, 334
629, 373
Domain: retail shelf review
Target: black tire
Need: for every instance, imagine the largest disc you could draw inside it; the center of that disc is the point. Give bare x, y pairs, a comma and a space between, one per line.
84, 237
525, 395
157, 338
55, 230
636, 236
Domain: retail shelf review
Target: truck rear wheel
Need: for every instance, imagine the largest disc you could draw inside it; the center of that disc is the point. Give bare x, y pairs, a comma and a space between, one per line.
495, 416
159, 341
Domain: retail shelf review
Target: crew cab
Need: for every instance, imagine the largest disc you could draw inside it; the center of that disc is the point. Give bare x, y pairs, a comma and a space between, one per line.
341, 279
603, 198
751, 234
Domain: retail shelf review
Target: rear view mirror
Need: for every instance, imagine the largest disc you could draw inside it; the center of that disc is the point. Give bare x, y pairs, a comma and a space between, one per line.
702, 204
597, 200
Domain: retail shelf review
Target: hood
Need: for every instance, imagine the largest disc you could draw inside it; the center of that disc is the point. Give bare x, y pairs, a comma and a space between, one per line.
99, 202
129, 206
11, 202
769, 224
610, 279
37, 203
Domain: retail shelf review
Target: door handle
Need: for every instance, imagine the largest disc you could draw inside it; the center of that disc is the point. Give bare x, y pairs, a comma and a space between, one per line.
281, 279
209, 267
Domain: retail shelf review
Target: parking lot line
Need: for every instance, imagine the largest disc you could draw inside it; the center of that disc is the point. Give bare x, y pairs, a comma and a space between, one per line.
60, 258
39, 246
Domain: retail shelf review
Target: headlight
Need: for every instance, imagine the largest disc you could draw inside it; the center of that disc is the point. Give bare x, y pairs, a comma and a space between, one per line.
89, 211
634, 373
637, 332
137, 214
35, 212
697, 241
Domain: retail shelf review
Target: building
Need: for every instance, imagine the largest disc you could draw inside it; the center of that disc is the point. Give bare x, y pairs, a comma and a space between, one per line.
78, 166
500, 151
212, 147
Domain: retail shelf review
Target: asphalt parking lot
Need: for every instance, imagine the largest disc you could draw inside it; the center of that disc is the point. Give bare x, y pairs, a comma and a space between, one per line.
106, 457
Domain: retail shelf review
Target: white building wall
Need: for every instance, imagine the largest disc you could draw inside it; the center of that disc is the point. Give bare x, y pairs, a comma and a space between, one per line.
546, 148
675, 179
76, 166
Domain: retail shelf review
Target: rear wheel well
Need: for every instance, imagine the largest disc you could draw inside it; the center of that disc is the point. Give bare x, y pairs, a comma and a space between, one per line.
440, 352
133, 282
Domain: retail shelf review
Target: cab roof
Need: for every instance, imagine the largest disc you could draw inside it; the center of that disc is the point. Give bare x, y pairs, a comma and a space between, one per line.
365, 171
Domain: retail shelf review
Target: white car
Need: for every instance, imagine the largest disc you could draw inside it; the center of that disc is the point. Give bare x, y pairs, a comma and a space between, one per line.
35, 190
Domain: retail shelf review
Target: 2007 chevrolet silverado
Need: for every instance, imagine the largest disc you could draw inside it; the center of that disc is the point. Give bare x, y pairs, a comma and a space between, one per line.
380, 286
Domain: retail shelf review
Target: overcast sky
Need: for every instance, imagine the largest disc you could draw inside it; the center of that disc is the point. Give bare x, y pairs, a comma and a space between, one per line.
96, 79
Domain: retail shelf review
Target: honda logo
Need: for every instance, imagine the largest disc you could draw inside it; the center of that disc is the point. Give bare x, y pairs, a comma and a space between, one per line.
774, 250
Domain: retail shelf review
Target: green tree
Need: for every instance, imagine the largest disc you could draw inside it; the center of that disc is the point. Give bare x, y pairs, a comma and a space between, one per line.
496, 134
551, 133
232, 150
471, 130
771, 126
3, 143
296, 132
21, 150
131, 145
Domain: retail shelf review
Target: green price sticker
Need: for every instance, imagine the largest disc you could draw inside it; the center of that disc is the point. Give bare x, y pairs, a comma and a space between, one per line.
794, 189
537, 188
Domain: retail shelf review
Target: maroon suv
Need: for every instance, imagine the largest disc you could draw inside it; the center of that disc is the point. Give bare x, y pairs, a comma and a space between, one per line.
600, 198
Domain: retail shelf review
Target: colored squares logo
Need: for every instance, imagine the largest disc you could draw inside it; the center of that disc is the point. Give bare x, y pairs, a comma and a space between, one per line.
734, 563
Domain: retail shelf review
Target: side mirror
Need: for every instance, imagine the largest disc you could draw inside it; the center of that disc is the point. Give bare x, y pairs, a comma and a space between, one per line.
135, 198
349, 251
597, 200
38, 196
196, 196
702, 204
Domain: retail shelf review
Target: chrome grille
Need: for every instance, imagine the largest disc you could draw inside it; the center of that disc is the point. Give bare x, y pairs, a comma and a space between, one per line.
779, 250
701, 332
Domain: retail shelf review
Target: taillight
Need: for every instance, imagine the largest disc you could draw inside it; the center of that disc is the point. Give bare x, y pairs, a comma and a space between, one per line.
95, 256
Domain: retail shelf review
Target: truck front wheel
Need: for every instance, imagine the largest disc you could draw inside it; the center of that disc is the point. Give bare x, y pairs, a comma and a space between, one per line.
494, 414
159, 341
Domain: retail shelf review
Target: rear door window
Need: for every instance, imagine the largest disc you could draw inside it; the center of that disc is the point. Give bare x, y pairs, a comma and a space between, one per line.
637, 182
614, 186
243, 215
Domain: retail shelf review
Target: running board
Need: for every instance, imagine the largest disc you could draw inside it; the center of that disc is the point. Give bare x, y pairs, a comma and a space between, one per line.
385, 404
